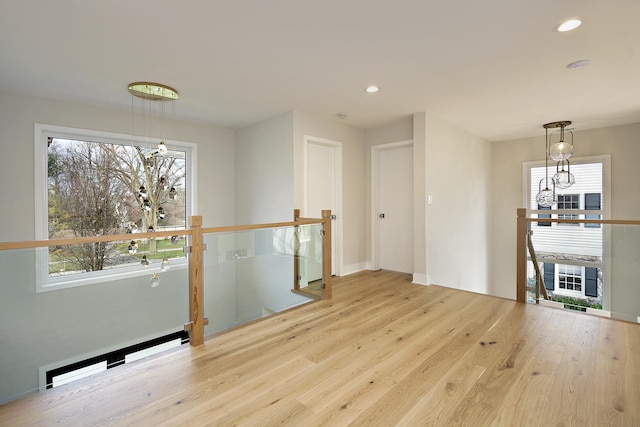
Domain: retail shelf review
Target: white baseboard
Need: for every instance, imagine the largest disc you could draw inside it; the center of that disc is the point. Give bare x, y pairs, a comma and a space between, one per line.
596, 312
352, 269
420, 279
554, 304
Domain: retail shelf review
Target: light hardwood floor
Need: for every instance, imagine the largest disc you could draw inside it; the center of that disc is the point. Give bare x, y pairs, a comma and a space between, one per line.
382, 352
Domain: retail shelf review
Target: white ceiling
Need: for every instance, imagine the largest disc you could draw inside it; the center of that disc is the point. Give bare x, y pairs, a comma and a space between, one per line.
496, 68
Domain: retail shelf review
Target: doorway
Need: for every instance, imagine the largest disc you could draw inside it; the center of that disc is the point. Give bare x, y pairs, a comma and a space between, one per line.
392, 206
323, 189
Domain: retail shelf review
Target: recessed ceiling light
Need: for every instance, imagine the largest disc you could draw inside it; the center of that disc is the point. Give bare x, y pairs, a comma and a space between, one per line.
342, 115
578, 64
372, 89
568, 25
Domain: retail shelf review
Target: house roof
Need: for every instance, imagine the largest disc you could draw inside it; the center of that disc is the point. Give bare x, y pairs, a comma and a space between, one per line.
497, 69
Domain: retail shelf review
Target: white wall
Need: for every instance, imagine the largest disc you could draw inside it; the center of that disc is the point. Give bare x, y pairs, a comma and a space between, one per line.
44, 328
353, 180
264, 171
457, 176
621, 142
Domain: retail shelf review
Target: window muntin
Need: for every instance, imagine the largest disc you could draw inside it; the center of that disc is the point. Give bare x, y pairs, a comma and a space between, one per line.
123, 213
570, 278
568, 202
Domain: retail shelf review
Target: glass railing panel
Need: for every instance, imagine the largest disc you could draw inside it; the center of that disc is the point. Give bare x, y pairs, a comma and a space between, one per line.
43, 329
250, 274
621, 276
309, 251
592, 268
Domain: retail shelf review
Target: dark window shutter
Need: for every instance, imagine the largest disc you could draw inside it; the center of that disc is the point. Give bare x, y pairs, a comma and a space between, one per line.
591, 281
544, 223
549, 275
592, 202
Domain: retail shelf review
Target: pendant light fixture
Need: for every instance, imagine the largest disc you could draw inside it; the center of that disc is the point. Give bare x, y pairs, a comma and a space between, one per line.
560, 152
154, 92
563, 178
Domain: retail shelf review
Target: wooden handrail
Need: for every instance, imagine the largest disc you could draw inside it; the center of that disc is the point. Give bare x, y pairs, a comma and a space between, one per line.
229, 228
195, 252
29, 244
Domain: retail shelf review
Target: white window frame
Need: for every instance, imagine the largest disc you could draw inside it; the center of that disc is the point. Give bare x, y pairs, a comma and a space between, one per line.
605, 211
46, 283
569, 292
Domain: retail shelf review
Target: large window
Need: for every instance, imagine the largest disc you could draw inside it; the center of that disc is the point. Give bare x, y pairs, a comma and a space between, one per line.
95, 183
572, 254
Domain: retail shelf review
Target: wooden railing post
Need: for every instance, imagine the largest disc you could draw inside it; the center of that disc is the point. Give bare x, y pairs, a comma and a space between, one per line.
196, 284
327, 279
521, 256
296, 256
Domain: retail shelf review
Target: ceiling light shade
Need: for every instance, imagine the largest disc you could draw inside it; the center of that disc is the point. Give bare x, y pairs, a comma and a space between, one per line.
547, 197
153, 91
561, 150
563, 179
568, 25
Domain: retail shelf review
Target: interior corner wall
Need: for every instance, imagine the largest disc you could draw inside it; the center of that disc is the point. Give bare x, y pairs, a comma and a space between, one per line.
620, 142
457, 177
353, 180
264, 171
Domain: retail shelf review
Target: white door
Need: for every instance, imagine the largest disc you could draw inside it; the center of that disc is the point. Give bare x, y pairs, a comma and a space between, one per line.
395, 208
323, 183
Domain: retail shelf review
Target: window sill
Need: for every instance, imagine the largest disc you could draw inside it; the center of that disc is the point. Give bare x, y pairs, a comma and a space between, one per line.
98, 277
